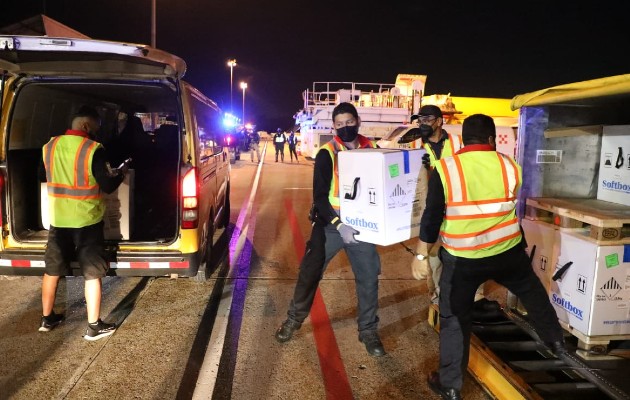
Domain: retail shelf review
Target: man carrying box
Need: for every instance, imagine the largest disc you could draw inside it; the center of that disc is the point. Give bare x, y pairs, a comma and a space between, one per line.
329, 236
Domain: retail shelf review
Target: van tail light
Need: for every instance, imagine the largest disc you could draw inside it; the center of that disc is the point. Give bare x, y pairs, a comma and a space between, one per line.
190, 209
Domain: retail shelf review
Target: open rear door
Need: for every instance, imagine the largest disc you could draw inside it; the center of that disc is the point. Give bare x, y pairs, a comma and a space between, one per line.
46, 56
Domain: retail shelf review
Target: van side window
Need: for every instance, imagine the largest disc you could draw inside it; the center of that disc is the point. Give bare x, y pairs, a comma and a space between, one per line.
208, 122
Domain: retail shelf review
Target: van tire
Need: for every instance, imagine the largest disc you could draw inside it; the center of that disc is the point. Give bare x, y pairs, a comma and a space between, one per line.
201, 275
207, 251
225, 218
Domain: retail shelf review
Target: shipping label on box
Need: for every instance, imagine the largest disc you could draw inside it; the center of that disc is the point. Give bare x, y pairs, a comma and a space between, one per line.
118, 209
614, 165
382, 193
593, 295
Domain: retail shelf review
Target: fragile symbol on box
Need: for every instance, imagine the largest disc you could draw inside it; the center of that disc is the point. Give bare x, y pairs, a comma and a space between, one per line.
581, 284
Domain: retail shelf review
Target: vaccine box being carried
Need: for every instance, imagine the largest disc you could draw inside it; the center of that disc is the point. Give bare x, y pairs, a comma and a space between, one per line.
382, 193
614, 165
118, 208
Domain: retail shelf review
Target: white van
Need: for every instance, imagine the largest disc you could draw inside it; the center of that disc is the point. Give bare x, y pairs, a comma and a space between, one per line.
159, 222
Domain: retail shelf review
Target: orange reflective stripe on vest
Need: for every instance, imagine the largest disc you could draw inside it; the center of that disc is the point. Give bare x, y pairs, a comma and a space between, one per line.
452, 144
480, 218
80, 189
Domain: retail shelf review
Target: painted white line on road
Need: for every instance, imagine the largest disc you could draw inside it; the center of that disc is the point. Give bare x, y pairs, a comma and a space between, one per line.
210, 366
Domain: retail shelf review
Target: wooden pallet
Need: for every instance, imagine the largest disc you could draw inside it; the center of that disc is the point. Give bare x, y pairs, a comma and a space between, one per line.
606, 222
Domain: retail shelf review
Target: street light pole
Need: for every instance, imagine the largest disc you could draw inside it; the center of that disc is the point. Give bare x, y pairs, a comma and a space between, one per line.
231, 63
243, 86
153, 23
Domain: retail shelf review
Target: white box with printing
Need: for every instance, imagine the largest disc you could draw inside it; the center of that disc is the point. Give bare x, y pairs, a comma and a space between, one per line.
593, 295
382, 193
614, 165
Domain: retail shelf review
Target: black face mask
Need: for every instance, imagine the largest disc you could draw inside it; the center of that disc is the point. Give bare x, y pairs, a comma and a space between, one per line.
425, 132
348, 133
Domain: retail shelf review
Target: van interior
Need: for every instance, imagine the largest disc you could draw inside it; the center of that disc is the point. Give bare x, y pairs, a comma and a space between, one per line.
140, 121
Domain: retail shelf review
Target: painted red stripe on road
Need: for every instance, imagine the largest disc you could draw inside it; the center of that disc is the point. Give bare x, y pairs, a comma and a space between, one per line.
333, 370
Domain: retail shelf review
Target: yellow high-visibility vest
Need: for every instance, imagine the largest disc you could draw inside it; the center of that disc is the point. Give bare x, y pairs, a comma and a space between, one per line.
74, 197
333, 147
480, 190
452, 144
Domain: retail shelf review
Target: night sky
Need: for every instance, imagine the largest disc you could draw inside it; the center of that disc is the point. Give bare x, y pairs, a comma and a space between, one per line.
472, 48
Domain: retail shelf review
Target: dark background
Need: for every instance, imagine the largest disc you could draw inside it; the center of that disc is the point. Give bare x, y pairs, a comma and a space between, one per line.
469, 48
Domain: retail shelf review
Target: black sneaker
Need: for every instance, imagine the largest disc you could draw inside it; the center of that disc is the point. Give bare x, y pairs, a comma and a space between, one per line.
50, 322
99, 330
372, 343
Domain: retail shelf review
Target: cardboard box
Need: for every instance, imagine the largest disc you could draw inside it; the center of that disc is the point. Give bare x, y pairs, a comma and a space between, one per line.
614, 165
543, 237
593, 295
118, 209
382, 193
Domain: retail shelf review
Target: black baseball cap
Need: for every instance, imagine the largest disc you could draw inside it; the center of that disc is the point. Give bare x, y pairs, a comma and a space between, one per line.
428, 110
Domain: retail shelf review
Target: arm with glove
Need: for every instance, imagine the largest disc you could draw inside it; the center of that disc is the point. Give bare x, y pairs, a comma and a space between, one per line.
429, 244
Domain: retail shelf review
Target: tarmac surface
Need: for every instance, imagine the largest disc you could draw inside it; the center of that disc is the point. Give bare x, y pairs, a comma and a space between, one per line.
159, 350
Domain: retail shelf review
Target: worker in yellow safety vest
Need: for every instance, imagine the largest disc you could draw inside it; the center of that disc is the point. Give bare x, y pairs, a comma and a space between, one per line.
435, 140
77, 172
330, 235
438, 144
471, 207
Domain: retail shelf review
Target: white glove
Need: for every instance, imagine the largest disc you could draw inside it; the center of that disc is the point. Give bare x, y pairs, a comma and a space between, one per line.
347, 233
420, 268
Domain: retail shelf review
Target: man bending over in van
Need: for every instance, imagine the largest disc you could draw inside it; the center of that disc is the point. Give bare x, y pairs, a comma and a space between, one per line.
77, 173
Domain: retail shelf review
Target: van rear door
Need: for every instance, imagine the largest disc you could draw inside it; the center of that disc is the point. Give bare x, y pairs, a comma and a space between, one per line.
46, 56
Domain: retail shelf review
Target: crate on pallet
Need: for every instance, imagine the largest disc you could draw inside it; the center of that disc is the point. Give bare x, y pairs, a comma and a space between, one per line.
605, 222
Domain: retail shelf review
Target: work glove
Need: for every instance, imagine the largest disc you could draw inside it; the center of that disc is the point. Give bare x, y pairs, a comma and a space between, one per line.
347, 233
426, 161
420, 268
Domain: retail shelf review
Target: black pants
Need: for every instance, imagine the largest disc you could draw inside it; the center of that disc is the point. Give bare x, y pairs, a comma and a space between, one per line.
292, 152
324, 244
460, 279
89, 245
280, 150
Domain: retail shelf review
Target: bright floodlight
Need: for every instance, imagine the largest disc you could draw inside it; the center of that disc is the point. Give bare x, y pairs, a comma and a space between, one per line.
243, 85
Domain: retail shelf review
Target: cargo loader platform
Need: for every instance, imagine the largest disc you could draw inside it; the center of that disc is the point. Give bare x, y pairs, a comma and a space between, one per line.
510, 362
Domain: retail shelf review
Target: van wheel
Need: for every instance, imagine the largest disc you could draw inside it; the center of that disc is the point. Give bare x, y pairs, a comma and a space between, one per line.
204, 267
225, 218
207, 253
